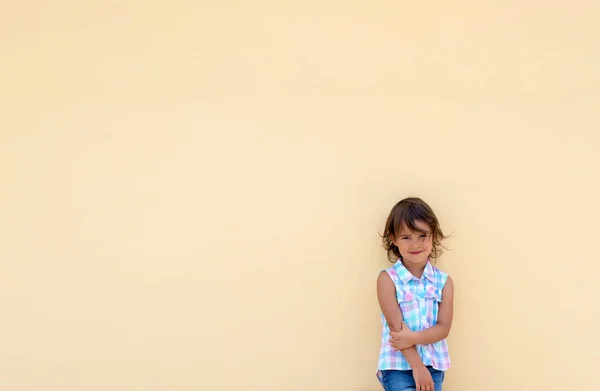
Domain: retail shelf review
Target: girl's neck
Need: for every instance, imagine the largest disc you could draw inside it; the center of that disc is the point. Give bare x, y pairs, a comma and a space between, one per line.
415, 269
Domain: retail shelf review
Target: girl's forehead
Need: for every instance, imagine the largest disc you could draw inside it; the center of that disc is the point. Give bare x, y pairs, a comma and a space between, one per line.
417, 225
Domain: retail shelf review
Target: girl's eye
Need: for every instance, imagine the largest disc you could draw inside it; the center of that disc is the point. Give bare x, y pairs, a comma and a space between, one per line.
423, 235
404, 238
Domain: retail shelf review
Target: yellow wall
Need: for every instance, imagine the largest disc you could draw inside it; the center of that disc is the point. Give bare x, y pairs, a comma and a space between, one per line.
191, 192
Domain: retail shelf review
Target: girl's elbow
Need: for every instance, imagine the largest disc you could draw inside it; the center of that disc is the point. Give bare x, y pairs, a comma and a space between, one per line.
447, 330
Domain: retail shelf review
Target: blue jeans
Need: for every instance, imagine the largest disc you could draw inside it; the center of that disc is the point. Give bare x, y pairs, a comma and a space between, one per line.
396, 380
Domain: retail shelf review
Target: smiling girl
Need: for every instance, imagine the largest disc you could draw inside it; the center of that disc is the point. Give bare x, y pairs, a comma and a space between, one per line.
416, 301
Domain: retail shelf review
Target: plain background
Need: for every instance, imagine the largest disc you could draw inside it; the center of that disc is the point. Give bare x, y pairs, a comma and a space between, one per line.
192, 191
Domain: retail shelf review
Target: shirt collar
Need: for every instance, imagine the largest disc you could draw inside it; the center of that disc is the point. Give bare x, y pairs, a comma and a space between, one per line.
405, 276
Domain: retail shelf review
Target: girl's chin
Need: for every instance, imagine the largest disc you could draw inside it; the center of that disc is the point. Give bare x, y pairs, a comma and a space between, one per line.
415, 260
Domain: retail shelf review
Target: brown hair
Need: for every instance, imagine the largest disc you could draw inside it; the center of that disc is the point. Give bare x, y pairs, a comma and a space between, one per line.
404, 214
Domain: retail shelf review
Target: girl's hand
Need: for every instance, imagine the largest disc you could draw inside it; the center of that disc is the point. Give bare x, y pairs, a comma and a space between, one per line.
403, 339
423, 379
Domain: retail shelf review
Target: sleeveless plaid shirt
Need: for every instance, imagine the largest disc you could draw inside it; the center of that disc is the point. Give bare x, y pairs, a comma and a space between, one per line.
419, 301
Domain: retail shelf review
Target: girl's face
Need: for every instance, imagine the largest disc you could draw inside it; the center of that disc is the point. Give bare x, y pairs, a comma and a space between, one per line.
415, 246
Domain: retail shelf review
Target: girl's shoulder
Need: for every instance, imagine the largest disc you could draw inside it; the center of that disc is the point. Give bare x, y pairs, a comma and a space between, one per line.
392, 272
437, 269
439, 275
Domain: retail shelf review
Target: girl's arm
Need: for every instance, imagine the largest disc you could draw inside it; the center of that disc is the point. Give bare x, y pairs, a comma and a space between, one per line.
444, 321
405, 337
386, 294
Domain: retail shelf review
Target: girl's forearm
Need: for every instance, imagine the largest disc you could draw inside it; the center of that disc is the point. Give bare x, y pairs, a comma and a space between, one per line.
412, 356
432, 334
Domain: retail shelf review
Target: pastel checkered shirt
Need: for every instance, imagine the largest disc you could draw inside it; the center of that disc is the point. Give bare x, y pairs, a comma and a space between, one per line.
419, 301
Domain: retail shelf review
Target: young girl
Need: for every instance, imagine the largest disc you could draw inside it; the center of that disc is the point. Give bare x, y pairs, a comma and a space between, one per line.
416, 301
